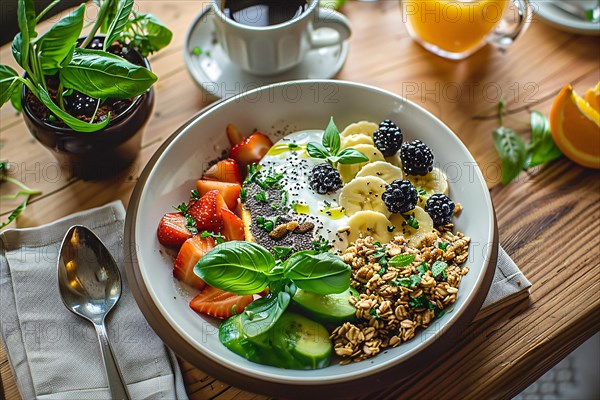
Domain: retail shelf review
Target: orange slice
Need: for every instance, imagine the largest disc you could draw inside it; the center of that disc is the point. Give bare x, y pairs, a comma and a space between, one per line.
592, 96
575, 127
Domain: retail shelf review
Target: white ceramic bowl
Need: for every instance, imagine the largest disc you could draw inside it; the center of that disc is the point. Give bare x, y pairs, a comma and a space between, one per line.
172, 172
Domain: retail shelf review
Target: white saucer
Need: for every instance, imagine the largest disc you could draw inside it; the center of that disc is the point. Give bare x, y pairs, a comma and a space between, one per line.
219, 78
565, 21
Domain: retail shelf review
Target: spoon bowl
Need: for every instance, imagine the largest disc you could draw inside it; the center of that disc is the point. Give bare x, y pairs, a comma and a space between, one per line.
89, 282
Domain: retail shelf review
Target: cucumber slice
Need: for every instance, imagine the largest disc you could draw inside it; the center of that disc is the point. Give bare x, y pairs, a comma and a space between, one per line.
334, 308
306, 340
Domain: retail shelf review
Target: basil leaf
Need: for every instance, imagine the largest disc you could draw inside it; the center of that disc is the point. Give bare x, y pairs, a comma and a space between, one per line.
102, 75
260, 315
541, 149
401, 260
56, 46
422, 268
351, 156
438, 267
331, 138
236, 267
118, 23
316, 150
321, 273
16, 47
15, 98
511, 148
156, 35
8, 83
71, 121
26, 22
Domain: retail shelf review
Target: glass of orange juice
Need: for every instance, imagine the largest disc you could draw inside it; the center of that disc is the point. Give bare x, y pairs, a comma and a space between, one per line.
456, 29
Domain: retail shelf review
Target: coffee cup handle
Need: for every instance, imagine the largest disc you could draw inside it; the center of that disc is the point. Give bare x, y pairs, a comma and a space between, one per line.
501, 37
326, 18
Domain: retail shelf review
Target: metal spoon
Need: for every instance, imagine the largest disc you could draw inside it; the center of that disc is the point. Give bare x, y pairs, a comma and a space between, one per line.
90, 285
587, 14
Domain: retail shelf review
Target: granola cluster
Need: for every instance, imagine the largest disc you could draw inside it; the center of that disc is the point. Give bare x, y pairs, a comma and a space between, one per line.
395, 301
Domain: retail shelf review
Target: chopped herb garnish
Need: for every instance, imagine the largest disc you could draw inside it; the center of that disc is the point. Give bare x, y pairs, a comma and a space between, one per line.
262, 196
443, 246
421, 191
422, 269
402, 260
243, 194
268, 224
439, 268
197, 51
216, 236
411, 281
292, 146
284, 197
420, 302
411, 221
273, 178
274, 206
195, 195
190, 221
322, 245
374, 313
280, 252
233, 309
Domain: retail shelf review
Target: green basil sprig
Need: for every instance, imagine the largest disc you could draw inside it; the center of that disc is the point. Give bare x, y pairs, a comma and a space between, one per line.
516, 155
248, 268
329, 148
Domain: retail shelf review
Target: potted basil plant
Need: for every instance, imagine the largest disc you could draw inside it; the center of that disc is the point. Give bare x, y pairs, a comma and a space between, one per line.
86, 98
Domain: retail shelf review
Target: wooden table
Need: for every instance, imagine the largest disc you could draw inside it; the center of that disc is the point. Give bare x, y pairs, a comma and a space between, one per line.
548, 218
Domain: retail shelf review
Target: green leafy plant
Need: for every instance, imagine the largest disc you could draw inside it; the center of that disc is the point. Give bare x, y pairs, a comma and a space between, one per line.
516, 155
24, 191
329, 148
248, 268
93, 72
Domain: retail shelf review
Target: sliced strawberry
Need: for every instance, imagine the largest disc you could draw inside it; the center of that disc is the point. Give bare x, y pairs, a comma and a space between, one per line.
226, 170
229, 191
172, 230
190, 253
233, 135
251, 150
233, 226
220, 304
207, 211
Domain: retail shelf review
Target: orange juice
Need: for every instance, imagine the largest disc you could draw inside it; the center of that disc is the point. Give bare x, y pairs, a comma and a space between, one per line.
455, 26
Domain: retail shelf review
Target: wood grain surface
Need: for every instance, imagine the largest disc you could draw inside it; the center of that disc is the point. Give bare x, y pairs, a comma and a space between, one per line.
548, 218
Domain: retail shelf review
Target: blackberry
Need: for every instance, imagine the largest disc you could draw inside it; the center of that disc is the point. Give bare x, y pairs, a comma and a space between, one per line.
440, 208
417, 158
388, 138
400, 196
324, 179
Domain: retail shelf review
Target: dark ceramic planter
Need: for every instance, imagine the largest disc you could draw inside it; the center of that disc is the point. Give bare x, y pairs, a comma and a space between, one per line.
95, 155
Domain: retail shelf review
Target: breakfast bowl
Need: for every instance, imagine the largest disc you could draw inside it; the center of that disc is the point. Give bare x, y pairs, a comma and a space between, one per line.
277, 110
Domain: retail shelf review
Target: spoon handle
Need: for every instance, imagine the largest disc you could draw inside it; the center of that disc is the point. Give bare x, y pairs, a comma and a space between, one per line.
117, 387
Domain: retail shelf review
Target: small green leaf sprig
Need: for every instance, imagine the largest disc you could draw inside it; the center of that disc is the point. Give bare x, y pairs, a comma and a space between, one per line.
248, 268
329, 148
24, 191
516, 155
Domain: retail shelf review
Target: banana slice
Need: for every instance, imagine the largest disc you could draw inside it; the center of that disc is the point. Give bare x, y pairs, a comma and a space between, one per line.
362, 194
349, 171
381, 169
414, 236
395, 160
369, 223
433, 182
354, 140
364, 127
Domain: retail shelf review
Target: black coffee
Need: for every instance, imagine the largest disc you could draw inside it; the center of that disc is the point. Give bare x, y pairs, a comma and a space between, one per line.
264, 12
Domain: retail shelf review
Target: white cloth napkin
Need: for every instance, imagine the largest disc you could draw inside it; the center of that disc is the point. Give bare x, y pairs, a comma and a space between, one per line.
54, 354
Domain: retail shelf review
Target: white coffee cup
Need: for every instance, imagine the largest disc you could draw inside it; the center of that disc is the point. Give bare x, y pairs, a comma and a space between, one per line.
269, 50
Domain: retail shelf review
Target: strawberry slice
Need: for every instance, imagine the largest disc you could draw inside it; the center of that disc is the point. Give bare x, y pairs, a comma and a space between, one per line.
220, 304
172, 231
226, 170
190, 253
233, 135
207, 211
233, 226
251, 150
229, 191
